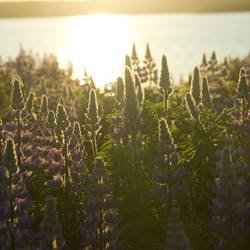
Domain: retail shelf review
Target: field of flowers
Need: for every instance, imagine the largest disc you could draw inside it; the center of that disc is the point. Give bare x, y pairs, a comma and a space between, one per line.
144, 164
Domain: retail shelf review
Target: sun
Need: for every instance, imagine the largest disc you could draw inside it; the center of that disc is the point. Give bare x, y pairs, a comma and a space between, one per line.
99, 44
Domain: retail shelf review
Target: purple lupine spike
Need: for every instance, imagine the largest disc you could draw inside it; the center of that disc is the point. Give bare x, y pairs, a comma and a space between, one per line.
229, 205
99, 227
15, 203
168, 176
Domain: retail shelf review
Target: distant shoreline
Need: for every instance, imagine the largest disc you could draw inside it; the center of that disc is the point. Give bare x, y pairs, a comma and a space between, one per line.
130, 7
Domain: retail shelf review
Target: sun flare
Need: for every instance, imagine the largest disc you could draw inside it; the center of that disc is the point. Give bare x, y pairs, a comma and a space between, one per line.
97, 43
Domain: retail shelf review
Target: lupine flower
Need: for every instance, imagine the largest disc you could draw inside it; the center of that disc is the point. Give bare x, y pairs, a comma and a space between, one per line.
213, 59
229, 205
119, 90
204, 61
50, 235
51, 120
242, 71
15, 219
128, 61
44, 105
165, 78
165, 82
62, 120
17, 101
135, 61
149, 73
242, 88
92, 111
99, 227
168, 177
205, 96
176, 238
191, 106
29, 103
195, 88
131, 111
139, 89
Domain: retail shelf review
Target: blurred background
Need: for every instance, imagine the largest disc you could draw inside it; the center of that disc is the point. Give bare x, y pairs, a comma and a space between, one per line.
96, 35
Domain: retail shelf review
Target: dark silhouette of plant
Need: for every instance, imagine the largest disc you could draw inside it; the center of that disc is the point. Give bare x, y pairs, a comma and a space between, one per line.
165, 83
176, 238
50, 235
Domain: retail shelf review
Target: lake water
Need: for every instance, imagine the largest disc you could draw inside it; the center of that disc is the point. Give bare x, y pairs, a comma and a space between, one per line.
99, 42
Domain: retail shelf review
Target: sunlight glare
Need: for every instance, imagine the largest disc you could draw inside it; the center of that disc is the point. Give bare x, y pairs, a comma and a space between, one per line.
99, 44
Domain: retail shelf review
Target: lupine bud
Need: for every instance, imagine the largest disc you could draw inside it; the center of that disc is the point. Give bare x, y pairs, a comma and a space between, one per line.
176, 238
242, 71
62, 120
148, 52
131, 110
51, 119
77, 130
44, 105
196, 86
134, 56
205, 97
17, 101
165, 137
165, 78
29, 102
204, 60
191, 106
139, 89
242, 87
92, 111
128, 61
213, 58
119, 90
10, 157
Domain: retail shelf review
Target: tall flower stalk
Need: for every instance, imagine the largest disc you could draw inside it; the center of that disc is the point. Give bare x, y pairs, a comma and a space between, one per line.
99, 227
165, 83
17, 104
92, 120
